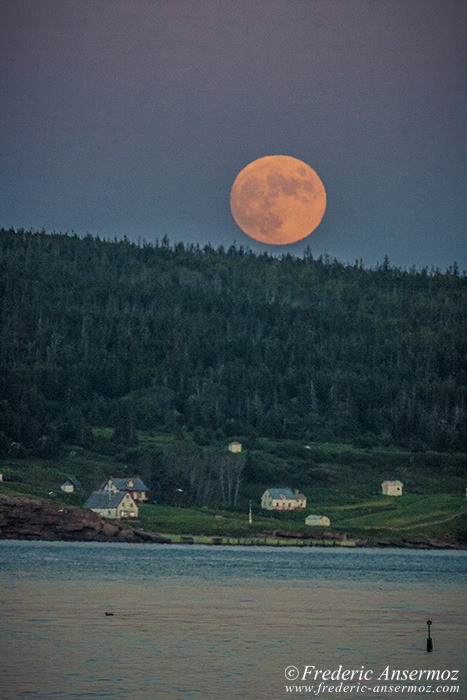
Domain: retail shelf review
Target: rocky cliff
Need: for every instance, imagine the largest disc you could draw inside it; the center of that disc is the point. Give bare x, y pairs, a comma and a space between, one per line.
25, 518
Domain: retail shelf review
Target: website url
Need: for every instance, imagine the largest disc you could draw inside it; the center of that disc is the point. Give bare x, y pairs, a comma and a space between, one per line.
323, 688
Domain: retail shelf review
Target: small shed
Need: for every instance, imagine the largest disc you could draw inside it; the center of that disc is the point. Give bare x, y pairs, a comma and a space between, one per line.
317, 520
392, 488
235, 446
68, 487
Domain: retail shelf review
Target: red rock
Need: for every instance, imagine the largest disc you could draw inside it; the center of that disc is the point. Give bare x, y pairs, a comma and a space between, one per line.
27, 518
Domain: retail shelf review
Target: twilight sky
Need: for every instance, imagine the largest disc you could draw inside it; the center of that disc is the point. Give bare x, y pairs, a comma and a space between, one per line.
134, 118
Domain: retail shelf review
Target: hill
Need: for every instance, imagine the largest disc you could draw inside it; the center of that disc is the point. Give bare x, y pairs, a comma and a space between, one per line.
222, 343
122, 358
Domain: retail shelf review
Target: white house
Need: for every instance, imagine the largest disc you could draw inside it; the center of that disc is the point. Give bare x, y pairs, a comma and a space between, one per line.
112, 505
235, 446
133, 486
283, 499
317, 520
67, 487
392, 488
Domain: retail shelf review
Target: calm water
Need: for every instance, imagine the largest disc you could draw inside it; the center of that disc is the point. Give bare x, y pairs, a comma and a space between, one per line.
223, 622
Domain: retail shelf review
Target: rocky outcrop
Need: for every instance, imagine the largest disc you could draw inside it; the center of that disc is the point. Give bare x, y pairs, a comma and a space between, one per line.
23, 518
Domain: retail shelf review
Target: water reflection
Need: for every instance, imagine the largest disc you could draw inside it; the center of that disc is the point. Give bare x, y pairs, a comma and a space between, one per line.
217, 623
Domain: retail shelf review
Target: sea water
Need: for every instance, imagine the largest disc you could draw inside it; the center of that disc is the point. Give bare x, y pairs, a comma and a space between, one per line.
229, 622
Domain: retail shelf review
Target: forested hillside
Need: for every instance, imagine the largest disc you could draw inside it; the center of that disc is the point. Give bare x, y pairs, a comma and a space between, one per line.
224, 343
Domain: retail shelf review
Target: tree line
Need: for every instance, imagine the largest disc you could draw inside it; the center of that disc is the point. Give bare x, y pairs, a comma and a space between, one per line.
223, 343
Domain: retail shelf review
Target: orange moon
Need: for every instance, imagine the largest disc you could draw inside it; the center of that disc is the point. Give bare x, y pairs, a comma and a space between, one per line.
277, 200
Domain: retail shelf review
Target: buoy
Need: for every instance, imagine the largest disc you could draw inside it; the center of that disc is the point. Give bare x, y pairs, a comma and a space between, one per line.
429, 641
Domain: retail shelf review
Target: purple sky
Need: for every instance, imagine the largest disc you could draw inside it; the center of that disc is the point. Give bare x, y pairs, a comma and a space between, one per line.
133, 118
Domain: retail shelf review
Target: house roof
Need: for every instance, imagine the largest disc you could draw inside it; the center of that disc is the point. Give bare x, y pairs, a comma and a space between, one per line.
287, 492
124, 484
104, 499
395, 483
315, 517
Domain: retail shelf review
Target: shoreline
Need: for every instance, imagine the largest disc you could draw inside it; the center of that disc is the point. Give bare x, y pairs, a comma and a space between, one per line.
23, 518
135, 536
144, 537
300, 543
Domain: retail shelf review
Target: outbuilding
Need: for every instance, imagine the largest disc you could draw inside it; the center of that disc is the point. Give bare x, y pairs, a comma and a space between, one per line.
392, 488
235, 446
317, 521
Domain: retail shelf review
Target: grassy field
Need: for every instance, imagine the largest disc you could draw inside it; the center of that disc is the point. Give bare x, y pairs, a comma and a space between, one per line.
341, 481
412, 518
381, 519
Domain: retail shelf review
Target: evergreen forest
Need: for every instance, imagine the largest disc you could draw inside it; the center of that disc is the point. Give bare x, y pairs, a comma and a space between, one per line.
223, 344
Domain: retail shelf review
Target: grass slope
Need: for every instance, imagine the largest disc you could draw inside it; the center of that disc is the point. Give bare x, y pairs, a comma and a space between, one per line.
412, 518
341, 481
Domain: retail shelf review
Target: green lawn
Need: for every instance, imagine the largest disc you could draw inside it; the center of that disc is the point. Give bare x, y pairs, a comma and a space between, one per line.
410, 516
342, 481
407, 517
202, 521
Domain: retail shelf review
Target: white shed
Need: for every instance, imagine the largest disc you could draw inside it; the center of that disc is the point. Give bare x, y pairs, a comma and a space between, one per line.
235, 446
317, 520
392, 488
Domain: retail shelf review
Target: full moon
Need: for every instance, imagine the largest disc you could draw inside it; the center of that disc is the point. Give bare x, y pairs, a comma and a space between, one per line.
277, 200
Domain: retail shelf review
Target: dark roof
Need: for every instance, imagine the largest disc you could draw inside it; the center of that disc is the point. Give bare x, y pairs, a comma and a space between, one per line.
123, 484
104, 499
288, 493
